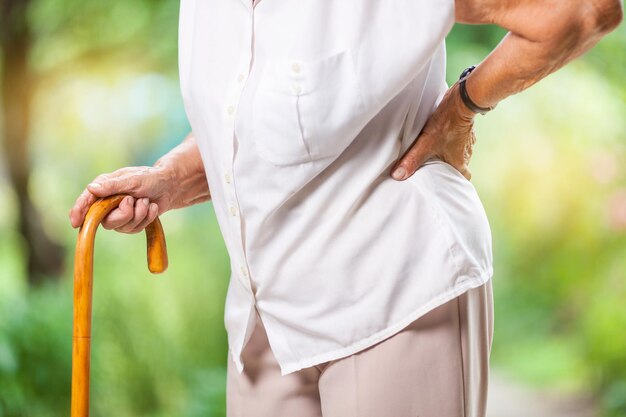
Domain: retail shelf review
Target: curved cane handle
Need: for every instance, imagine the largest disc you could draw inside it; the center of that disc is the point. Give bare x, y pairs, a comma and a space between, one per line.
83, 285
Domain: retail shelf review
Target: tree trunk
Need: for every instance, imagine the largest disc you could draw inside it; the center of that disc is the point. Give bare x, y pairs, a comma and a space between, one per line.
44, 256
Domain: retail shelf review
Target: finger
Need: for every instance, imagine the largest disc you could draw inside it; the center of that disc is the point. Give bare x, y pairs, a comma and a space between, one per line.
140, 213
81, 206
121, 215
413, 158
153, 212
466, 173
116, 183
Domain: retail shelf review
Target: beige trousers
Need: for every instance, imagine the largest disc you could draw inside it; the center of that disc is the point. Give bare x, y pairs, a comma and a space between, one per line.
437, 366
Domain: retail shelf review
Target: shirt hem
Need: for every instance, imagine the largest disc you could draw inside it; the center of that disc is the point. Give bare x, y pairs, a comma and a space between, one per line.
237, 358
379, 336
237, 362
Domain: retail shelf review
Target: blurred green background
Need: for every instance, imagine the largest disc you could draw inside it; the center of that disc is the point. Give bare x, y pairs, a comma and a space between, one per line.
89, 87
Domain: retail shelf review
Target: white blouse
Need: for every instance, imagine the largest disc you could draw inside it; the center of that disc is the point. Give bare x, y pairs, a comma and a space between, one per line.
300, 108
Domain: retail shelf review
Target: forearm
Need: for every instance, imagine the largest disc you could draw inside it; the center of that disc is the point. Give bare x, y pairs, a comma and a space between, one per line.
184, 168
543, 36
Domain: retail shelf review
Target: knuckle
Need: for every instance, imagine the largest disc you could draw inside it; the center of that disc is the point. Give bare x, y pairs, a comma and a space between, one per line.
139, 217
129, 208
82, 199
116, 185
107, 225
134, 183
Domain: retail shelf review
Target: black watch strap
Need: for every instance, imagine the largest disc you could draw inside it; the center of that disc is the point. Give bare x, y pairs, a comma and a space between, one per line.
466, 98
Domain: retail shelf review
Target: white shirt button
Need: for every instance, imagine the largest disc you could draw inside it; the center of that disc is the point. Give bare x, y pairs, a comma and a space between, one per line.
295, 67
230, 109
227, 178
240, 77
243, 270
296, 88
233, 210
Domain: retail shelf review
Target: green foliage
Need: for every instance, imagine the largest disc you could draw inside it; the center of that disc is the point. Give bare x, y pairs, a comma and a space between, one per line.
549, 168
34, 360
159, 345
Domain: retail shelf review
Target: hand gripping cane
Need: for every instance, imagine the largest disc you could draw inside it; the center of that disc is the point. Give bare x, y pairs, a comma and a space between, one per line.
83, 284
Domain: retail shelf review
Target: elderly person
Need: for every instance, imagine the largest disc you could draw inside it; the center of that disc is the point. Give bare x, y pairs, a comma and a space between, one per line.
337, 159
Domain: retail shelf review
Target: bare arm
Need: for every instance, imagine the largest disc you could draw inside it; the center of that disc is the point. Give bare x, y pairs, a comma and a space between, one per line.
176, 180
543, 36
184, 164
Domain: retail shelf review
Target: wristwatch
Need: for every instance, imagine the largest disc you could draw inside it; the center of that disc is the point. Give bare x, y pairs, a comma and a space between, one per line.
466, 98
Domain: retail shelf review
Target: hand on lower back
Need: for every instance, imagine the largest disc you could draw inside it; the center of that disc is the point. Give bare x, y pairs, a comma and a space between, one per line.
447, 135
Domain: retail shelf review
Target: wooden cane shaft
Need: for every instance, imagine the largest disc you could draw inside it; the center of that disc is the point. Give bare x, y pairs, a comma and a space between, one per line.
83, 288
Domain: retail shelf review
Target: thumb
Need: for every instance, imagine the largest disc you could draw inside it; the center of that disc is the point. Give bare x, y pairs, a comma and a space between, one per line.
413, 158
104, 187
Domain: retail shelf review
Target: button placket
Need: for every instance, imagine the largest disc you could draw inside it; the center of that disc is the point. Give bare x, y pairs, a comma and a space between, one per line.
237, 89
244, 277
233, 208
232, 205
296, 69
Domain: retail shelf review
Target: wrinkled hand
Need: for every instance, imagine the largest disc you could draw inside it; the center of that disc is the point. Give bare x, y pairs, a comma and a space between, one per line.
149, 192
447, 135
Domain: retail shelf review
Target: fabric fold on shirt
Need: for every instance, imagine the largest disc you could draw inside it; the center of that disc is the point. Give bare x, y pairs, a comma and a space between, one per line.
300, 109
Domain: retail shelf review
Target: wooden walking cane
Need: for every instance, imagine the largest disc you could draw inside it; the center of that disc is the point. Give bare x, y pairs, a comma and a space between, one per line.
83, 284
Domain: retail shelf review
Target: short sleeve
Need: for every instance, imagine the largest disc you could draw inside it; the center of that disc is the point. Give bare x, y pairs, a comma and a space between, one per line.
401, 38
